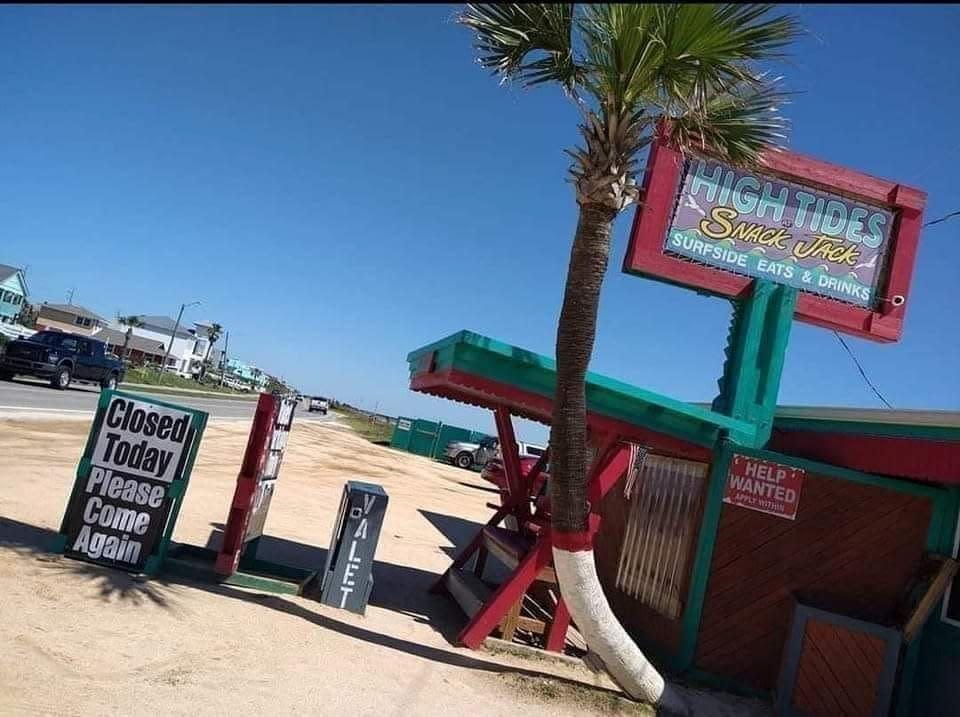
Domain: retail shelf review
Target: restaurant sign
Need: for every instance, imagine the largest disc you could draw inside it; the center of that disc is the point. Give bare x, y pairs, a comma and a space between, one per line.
764, 486
754, 224
844, 240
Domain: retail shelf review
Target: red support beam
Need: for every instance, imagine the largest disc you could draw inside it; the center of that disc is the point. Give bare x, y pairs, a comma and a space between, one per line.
512, 590
557, 633
510, 453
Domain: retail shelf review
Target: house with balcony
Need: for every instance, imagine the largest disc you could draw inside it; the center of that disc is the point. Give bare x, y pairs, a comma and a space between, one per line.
189, 347
72, 318
161, 329
13, 293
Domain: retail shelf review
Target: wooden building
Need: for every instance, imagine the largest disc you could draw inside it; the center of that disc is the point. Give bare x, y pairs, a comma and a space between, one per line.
809, 563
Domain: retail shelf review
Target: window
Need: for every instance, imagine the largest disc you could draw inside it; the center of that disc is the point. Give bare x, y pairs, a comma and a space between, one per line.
661, 531
534, 451
85, 348
68, 344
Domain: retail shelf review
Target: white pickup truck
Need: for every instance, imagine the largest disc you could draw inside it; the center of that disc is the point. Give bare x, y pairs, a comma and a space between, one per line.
318, 403
467, 455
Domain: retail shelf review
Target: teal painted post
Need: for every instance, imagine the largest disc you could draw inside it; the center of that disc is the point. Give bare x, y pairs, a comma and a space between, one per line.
700, 574
756, 348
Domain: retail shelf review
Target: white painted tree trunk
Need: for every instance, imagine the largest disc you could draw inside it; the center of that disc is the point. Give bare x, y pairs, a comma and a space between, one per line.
605, 636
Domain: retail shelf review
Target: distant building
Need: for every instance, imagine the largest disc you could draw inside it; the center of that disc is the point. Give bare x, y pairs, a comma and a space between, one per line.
188, 349
69, 317
160, 328
140, 350
13, 293
247, 373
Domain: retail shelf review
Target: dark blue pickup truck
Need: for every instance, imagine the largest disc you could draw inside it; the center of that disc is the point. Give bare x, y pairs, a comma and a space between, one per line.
61, 358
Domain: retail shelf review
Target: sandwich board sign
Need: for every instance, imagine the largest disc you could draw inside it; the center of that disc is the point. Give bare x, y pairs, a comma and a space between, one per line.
130, 482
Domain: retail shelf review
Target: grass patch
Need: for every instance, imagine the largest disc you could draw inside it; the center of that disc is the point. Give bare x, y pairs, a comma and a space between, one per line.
591, 700
364, 426
152, 377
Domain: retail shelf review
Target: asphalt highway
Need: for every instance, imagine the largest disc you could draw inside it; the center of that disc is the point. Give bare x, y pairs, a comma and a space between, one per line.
28, 397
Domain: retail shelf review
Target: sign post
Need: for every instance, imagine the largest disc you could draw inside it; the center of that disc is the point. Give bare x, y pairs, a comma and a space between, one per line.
130, 482
256, 482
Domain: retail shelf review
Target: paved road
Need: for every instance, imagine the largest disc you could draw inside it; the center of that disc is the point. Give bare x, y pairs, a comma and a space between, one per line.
26, 397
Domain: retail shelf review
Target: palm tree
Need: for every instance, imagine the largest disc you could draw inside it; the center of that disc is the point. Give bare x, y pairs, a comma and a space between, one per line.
214, 331
134, 321
627, 69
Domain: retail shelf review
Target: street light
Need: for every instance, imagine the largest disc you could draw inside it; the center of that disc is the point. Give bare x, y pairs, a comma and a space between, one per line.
173, 336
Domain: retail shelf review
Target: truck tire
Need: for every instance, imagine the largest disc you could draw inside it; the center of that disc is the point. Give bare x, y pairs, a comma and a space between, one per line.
463, 460
110, 382
61, 379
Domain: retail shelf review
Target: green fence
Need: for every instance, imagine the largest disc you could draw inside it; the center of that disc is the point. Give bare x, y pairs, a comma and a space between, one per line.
429, 438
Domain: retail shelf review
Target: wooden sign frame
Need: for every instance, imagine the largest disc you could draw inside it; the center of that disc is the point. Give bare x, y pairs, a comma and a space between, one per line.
884, 322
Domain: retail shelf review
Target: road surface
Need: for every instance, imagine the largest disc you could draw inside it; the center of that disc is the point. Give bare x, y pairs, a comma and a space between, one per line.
27, 397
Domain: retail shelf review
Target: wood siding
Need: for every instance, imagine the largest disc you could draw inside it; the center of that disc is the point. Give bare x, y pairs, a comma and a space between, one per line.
852, 550
839, 672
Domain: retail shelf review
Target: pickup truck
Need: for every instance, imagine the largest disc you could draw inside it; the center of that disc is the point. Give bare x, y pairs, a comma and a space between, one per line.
467, 455
318, 403
61, 358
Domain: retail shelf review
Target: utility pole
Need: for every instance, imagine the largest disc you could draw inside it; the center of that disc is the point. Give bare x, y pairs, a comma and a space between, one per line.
70, 296
223, 359
173, 336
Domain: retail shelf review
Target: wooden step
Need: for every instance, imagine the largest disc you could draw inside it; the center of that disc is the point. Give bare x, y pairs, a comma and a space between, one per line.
510, 548
468, 590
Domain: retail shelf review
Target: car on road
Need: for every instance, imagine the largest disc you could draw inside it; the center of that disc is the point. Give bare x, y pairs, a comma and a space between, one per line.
464, 454
61, 358
318, 403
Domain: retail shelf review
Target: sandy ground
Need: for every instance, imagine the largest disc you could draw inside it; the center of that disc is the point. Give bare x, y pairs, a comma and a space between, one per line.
78, 639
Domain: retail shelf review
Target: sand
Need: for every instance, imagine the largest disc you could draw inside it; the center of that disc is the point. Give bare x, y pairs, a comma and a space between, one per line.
79, 639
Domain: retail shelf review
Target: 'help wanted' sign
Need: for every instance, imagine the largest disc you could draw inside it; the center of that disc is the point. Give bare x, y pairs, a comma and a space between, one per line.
137, 451
764, 486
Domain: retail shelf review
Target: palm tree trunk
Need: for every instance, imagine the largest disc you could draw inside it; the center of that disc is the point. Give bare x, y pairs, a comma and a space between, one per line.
126, 342
576, 331
573, 549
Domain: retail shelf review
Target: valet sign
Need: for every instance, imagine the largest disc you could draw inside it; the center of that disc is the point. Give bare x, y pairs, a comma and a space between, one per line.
131, 479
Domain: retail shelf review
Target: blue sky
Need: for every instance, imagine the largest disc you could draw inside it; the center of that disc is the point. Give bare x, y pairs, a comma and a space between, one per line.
342, 185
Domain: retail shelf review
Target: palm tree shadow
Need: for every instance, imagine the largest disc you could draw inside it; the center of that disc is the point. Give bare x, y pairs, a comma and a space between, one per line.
111, 584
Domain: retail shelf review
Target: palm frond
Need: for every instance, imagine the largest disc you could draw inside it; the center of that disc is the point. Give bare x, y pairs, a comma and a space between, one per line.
528, 42
738, 124
709, 48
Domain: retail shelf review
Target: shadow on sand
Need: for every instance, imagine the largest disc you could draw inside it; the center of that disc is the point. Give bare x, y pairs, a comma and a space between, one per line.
398, 588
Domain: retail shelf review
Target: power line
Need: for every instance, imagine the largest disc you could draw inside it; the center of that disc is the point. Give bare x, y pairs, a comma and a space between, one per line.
944, 218
843, 343
862, 372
